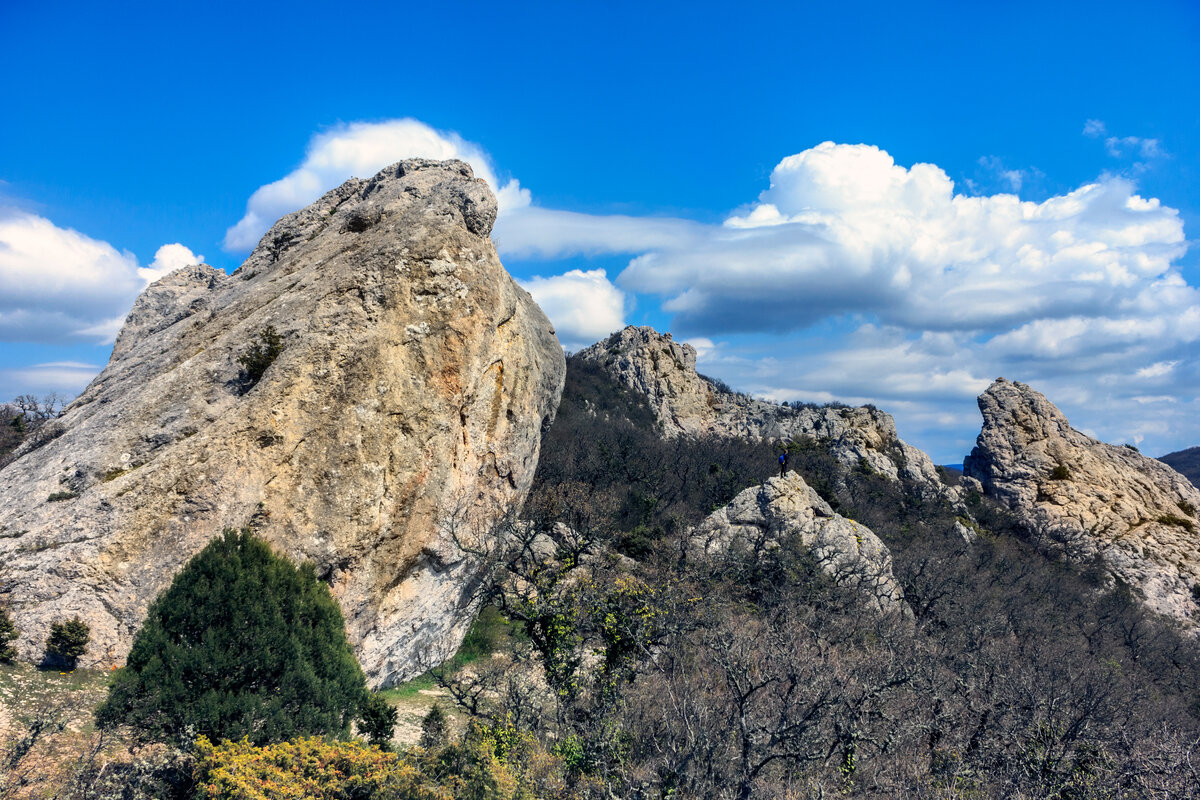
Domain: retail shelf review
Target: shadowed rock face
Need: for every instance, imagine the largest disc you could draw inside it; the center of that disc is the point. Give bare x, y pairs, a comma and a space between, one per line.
686, 403
761, 517
408, 399
1091, 498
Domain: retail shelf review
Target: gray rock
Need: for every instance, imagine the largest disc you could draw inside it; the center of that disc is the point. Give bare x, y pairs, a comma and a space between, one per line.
1088, 499
404, 410
762, 517
686, 403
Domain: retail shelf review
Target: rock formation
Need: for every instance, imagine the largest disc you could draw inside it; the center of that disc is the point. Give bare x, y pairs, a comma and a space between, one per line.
1090, 498
405, 407
686, 403
761, 517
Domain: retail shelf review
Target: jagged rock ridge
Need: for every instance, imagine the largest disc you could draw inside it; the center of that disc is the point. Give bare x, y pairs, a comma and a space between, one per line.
1090, 498
761, 517
686, 403
406, 406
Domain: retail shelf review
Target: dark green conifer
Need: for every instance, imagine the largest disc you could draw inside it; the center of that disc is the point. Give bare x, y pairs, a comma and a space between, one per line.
435, 728
242, 643
67, 643
379, 720
8, 635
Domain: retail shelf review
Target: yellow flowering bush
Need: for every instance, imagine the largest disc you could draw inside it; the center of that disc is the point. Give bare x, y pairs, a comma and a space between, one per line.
308, 768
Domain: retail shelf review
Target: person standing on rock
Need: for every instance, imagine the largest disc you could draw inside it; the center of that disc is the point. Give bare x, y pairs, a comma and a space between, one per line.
783, 459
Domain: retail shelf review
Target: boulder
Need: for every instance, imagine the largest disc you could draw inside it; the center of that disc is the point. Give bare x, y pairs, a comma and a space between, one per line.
402, 414
762, 517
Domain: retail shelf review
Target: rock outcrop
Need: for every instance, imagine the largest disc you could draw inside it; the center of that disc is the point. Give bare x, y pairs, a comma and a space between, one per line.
405, 408
762, 517
1089, 498
686, 403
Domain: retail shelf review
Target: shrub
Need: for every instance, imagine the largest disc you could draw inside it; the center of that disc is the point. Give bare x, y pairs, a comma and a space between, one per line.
307, 768
379, 720
1060, 473
8, 635
243, 643
260, 355
435, 728
67, 642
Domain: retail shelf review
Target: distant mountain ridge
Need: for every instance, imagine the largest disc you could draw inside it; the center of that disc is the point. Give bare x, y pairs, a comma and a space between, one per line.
1186, 463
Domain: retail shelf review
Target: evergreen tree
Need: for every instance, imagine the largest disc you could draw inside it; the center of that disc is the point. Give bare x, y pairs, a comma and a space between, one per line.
8, 635
242, 644
435, 728
67, 643
379, 721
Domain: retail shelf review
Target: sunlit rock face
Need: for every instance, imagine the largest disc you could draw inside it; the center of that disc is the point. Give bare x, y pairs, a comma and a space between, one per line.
404, 409
1090, 499
764, 517
686, 403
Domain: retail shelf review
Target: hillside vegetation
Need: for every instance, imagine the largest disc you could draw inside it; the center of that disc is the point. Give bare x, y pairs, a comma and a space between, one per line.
627, 662
660, 672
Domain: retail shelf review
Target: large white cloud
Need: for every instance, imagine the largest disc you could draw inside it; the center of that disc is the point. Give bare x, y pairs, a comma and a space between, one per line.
359, 149
843, 229
58, 285
583, 305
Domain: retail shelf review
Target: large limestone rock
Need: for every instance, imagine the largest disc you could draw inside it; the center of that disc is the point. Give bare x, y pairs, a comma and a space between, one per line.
686, 403
1090, 498
762, 517
405, 408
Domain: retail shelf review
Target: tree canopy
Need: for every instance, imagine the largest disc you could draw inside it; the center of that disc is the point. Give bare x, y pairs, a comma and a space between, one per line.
243, 643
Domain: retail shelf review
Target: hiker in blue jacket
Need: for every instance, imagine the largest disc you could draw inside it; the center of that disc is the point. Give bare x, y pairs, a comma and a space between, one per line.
783, 459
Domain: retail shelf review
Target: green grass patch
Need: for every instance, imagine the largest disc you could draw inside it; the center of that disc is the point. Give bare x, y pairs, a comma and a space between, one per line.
490, 633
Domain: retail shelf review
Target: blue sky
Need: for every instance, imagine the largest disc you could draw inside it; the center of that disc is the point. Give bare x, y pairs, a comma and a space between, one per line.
681, 148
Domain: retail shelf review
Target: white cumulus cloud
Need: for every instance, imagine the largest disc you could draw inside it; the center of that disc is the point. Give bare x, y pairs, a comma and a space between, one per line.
583, 305
360, 149
843, 229
57, 284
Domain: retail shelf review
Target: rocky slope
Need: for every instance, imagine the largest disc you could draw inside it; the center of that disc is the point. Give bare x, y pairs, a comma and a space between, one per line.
406, 406
687, 403
762, 516
1091, 499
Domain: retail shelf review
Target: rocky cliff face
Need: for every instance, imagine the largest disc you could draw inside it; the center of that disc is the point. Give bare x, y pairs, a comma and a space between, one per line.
1090, 498
686, 403
406, 406
762, 517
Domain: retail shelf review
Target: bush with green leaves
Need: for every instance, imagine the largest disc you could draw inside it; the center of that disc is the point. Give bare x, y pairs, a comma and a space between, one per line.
8, 635
378, 720
260, 355
67, 643
243, 643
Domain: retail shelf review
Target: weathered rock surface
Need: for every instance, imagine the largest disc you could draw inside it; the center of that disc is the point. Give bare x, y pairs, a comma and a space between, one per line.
1090, 498
408, 399
762, 517
686, 403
